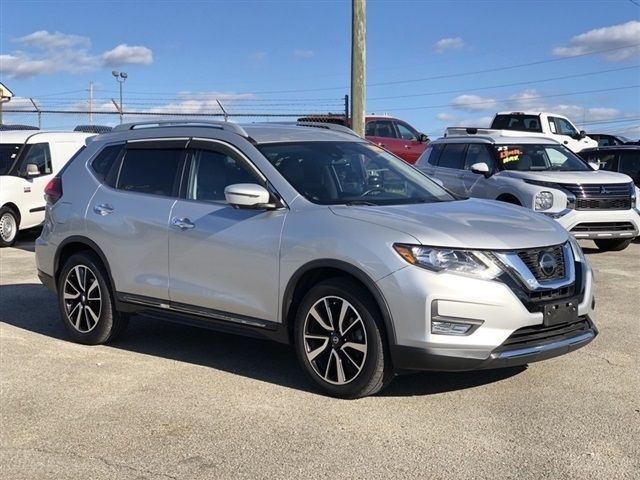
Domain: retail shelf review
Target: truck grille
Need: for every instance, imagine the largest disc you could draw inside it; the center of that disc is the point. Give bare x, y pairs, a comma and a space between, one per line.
532, 259
599, 190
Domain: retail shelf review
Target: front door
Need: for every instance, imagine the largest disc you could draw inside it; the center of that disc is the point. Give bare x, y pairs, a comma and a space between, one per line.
222, 259
31, 190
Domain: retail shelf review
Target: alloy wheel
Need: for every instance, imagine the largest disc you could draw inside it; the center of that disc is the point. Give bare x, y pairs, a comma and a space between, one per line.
335, 340
82, 298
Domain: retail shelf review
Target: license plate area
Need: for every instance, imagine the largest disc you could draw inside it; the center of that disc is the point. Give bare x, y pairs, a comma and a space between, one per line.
558, 313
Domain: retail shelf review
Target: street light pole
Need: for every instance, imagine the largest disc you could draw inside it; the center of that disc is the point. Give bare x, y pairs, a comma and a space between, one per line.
120, 77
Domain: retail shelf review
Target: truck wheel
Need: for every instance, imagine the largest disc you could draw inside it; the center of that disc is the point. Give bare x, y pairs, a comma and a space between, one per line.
9, 225
338, 340
614, 244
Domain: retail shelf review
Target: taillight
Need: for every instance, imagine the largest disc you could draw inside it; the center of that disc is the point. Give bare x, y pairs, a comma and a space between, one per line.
53, 190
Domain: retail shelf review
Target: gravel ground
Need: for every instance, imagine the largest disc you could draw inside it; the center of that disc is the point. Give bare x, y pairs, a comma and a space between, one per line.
176, 402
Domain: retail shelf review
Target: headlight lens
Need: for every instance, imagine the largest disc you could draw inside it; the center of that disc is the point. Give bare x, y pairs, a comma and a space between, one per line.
544, 200
463, 262
578, 254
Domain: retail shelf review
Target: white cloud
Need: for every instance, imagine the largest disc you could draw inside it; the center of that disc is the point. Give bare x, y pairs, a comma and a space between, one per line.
445, 117
473, 103
300, 53
603, 39
61, 53
124, 54
445, 44
199, 103
259, 56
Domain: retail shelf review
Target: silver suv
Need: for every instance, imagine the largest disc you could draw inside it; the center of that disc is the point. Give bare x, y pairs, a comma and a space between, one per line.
308, 236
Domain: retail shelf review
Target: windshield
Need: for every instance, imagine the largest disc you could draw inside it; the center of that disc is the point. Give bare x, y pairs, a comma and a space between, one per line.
532, 157
8, 154
351, 173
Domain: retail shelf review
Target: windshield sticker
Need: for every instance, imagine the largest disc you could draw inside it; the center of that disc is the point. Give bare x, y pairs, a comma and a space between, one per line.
507, 154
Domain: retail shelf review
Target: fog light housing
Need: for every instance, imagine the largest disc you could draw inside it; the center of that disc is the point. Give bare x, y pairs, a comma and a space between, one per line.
440, 327
544, 200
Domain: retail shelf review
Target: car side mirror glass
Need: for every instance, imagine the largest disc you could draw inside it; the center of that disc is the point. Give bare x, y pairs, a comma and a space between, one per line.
32, 170
247, 195
422, 138
582, 134
480, 168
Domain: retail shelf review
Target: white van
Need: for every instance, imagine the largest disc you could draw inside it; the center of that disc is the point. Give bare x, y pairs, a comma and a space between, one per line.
28, 160
550, 124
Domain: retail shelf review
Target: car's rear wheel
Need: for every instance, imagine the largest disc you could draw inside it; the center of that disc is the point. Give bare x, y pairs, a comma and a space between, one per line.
86, 301
613, 244
8, 227
339, 340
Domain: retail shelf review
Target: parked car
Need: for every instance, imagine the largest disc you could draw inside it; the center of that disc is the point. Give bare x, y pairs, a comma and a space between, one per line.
552, 125
28, 160
608, 140
538, 173
312, 237
621, 158
392, 134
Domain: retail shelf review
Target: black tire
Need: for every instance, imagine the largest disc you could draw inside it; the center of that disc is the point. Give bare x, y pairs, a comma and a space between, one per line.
9, 226
613, 244
88, 321
360, 323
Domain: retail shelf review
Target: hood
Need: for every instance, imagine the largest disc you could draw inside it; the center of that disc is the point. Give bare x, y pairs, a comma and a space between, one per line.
591, 176
468, 224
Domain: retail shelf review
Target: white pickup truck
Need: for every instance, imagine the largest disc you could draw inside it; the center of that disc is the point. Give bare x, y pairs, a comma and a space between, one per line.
550, 124
28, 160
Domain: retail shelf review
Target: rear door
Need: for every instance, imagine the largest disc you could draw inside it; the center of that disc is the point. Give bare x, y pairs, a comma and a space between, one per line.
477, 185
223, 260
128, 216
450, 167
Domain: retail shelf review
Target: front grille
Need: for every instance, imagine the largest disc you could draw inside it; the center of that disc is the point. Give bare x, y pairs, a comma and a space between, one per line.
603, 203
531, 259
603, 227
539, 334
591, 190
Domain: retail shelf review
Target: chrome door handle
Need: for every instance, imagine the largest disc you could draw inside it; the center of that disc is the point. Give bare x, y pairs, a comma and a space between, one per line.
381, 145
407, 146
182, 223
102, 209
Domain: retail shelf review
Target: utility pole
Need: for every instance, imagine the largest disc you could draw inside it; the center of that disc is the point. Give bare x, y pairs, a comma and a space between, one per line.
358, 64
90, 103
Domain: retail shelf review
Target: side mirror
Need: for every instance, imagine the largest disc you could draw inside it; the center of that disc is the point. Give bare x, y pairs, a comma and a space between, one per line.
582, 134
32, 170
247, 195
422, 138
480, 168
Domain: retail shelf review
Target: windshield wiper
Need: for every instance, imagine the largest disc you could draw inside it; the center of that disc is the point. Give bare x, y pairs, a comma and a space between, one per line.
356, 203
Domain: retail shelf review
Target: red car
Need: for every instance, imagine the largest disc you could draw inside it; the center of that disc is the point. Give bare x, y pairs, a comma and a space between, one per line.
392, 134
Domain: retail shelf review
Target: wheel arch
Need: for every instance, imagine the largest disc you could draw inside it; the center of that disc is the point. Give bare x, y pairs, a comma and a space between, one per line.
16, 209
75, 244
509, 198
317, 270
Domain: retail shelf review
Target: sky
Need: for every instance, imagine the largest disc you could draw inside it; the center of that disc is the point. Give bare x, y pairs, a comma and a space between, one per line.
432, 63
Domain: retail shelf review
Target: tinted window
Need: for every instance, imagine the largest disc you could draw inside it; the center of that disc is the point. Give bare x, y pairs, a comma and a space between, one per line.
351, 173
8, 153
381, 128
630, 164
211, 172
105, 161
452, 155
478, 153
529, 123
429, 157
37, 154
153, 171
604, 141
406, 132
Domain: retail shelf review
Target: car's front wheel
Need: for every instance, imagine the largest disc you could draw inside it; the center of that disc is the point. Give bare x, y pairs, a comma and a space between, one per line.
8, 227
86, 301
339, 341
613, 244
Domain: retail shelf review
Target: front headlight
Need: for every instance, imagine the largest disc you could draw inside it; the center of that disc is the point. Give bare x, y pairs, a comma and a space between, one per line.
578, 254
464, 262
544, 200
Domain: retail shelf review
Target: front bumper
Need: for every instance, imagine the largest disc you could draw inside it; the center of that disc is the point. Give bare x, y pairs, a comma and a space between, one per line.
503, 317
602, 224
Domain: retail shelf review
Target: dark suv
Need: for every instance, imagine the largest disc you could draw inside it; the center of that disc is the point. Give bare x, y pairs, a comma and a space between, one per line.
618, 158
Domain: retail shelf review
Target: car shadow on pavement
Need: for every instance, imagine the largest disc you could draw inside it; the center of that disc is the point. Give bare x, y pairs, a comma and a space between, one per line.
26, 240
34, 308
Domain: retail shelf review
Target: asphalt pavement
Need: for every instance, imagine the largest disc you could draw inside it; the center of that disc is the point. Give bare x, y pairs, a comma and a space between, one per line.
175, 402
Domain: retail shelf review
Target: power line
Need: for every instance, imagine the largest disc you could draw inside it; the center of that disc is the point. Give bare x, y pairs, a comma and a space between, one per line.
490, 102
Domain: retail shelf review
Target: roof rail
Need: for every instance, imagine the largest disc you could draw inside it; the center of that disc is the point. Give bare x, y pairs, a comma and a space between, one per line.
220, 125
329, 126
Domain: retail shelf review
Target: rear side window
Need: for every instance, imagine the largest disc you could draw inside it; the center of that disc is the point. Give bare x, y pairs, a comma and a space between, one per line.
525, 123
381, 128
105, 161
630, 164
479, 153
452, 155
151, 171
